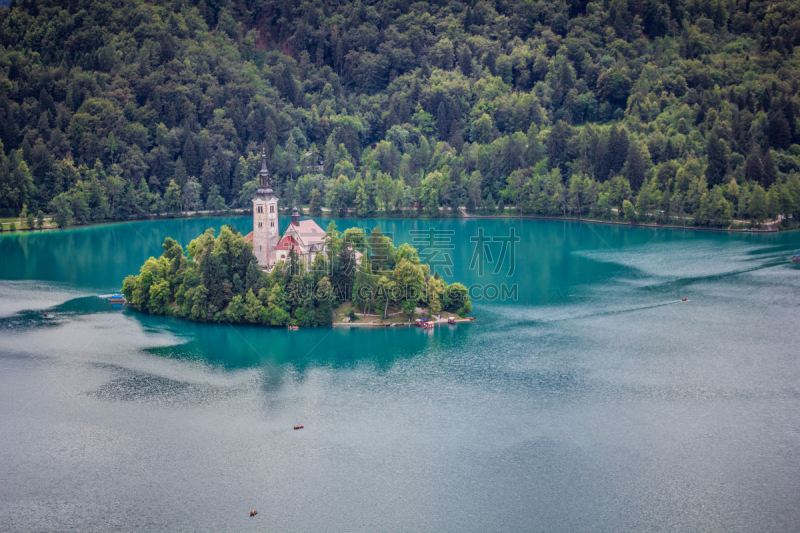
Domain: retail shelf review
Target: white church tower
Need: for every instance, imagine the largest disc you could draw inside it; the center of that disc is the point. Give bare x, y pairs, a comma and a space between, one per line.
265, 218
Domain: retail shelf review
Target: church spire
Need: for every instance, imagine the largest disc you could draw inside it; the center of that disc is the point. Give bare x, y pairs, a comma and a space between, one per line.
264, 188
264, 174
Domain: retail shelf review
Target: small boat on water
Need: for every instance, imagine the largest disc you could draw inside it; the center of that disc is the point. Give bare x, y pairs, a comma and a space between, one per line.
451, 321
684, 299
298, 427
117, 299
292, 328
470, 318
796, 258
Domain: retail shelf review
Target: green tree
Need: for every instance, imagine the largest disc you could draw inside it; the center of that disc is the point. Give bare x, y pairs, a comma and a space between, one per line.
315, 208
172, 198
635, 172
158, 302
214, 201
629, 211
381, 250
618, 150
769, 173
558, 144
277, 308
604, 205
387, 293
577, 192
190, 196
324, 298
717, 160
757, 204
753, 170
254, 311
773, 202
236, 311
481, 130
62, 207
433, 295
409, 279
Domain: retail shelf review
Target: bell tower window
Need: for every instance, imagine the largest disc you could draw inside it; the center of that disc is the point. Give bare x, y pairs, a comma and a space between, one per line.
272, 209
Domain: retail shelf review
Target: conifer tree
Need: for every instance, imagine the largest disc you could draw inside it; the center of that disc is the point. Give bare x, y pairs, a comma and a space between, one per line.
769, 174
635, 171
315, 207
558, 144
190, 159
717, 160
617, 152
753, 171
180, 175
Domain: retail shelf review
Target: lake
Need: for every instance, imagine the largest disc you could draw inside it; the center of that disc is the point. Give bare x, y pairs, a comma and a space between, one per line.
588, 398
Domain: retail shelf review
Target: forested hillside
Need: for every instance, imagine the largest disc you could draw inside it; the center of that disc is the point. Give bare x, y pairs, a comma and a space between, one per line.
112, 109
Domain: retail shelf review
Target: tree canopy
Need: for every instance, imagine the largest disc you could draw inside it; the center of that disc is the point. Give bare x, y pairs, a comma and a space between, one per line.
217, 279
112, 109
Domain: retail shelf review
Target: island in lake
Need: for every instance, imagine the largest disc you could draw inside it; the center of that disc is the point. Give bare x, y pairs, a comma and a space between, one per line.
306, 277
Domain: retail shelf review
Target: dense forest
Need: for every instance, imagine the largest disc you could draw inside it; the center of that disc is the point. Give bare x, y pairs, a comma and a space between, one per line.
658, 110
219, 280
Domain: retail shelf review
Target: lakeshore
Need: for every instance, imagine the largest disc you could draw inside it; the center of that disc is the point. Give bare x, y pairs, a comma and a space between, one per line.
464, 214
459, 213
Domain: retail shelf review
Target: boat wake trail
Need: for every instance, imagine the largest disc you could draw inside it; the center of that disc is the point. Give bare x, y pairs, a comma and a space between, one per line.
611, 312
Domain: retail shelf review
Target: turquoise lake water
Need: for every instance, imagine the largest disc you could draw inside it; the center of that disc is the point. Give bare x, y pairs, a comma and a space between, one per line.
590, 399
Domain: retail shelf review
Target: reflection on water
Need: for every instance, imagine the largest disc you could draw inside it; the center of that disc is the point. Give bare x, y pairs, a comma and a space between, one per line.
596, 401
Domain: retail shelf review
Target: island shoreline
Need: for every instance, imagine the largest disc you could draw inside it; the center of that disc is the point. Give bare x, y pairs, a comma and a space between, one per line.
442, 322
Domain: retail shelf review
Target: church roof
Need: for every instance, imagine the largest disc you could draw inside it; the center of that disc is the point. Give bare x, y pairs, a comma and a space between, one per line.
287, 242
309, 232
248, 237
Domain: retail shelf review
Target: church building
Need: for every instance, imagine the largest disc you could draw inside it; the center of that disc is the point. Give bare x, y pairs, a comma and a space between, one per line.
307, 238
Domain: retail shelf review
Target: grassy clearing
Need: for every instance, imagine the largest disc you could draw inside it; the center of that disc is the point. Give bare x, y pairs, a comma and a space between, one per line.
22, 224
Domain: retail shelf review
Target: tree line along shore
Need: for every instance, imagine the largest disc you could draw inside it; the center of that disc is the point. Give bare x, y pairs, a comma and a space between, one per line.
664, 109
629, 217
